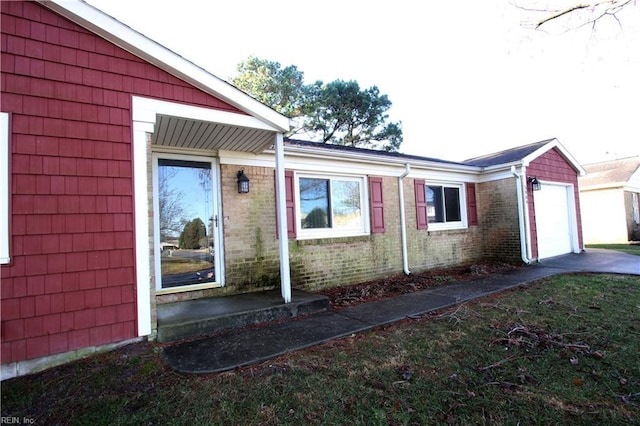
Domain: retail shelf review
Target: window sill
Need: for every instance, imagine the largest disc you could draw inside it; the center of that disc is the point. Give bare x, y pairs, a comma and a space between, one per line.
186, 288
447, 227
313, 241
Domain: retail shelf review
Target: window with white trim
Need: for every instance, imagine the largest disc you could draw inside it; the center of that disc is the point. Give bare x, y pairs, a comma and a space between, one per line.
331, 206
445, 204
4, 188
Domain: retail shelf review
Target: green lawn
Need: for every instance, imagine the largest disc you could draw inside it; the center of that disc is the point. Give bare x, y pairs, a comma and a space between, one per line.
565, 350
626, 248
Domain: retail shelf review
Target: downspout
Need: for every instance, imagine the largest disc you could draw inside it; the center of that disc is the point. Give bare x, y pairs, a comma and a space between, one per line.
521, 217
403, 224
527, 223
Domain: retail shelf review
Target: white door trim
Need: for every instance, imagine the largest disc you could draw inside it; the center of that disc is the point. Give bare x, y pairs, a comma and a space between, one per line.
218, 231
572, 223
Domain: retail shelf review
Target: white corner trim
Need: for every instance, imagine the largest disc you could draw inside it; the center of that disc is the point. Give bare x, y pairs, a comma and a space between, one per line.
146, 110
142, 247
4, 188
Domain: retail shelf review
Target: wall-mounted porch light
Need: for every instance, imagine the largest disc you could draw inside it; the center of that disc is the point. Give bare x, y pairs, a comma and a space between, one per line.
535, 183
243, 182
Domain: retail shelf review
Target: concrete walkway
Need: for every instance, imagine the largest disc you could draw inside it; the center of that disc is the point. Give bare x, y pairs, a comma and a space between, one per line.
249, 346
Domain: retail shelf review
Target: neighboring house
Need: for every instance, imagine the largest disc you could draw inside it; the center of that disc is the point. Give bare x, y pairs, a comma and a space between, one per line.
610, 201
113, 148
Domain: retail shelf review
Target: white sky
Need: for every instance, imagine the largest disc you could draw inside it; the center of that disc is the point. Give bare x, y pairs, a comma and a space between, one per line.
466, 78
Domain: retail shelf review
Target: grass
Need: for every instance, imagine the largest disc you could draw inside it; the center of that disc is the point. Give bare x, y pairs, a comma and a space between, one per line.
177, 265
564, 350
626, 248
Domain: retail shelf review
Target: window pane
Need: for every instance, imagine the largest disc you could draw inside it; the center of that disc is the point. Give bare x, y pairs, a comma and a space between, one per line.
314, 203
452, 204
185, 200
435, 209
345, 202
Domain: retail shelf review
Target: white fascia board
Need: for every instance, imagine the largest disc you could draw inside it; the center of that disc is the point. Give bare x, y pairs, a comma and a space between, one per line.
498, 172
240, 158
555, 144
331, 165
443, 176
357, 157
503, 174
501, 167
360, 164
146, 109
602, 186
134, 42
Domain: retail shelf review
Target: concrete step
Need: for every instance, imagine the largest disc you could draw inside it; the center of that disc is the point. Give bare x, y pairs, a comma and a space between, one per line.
201, 317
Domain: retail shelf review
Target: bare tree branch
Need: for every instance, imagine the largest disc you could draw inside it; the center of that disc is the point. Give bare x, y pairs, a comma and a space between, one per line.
599, 10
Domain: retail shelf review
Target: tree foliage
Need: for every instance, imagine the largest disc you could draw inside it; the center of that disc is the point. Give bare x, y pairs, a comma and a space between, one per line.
282, 89
194, 235
339, 112
346, 115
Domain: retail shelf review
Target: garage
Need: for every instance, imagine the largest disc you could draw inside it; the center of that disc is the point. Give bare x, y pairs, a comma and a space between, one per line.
553, 220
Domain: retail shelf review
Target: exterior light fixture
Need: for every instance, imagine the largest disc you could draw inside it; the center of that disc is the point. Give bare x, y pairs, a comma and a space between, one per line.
535, 183
243, 182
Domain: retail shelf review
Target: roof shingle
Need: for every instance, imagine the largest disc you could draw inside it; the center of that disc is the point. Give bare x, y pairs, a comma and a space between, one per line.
507, 156
610, 172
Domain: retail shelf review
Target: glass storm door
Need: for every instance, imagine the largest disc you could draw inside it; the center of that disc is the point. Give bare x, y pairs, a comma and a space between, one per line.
186, 223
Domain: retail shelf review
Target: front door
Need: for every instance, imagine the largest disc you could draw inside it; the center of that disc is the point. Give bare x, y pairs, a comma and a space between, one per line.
187, 235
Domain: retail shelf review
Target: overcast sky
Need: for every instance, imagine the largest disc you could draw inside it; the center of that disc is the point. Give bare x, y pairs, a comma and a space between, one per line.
466, 78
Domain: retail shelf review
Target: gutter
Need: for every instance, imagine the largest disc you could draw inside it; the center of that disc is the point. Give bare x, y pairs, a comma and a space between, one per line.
380, 158
403, 224
523, 219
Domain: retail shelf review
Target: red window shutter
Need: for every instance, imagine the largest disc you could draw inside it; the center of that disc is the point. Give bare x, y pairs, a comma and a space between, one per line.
289, 188
421, 204
472, 209
376, 203
291, 203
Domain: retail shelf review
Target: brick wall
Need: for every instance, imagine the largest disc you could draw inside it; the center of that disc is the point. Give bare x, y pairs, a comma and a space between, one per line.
331, 262
251, 247
429, 249
498, 217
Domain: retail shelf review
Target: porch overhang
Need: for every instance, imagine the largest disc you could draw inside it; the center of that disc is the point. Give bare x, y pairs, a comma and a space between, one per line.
194, 134
187, 127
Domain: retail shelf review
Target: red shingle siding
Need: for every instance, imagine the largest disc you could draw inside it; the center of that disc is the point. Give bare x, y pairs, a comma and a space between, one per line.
72, 237
551, 166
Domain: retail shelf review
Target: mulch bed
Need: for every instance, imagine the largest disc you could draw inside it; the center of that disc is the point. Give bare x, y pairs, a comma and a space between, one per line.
340, 297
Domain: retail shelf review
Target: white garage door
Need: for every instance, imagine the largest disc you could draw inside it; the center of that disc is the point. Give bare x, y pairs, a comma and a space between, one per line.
552, 220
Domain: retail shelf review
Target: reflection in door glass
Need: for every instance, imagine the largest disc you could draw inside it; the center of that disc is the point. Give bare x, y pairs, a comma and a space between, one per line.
185, 204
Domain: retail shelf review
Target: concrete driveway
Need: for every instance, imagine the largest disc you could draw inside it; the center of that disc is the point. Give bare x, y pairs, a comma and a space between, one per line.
595, 260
